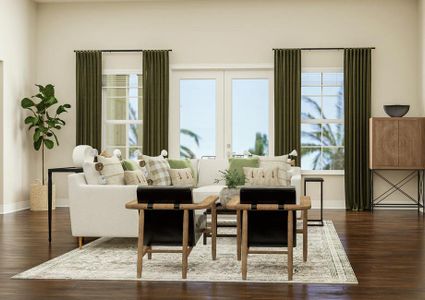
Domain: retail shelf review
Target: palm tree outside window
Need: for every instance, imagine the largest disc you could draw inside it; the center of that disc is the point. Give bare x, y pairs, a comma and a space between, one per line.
322, 121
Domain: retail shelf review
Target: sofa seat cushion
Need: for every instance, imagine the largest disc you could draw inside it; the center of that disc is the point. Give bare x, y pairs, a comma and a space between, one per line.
200, 193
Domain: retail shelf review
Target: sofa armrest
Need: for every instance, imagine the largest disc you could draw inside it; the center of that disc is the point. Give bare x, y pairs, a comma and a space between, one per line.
296, 182
99, 210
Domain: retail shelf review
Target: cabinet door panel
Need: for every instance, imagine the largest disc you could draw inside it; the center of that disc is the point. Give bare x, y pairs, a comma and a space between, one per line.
410, 141
384, 144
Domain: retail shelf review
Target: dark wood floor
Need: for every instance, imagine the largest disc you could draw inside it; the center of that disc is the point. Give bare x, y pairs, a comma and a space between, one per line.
386, 250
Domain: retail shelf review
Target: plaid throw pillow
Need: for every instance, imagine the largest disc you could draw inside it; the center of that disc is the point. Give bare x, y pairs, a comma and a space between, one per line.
158, 171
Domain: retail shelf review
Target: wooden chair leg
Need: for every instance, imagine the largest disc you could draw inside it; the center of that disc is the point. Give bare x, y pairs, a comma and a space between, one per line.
80, 242
238, 234
244, 244
290, 244
140, 246
185, 243
149, 253
213, 232
305, 235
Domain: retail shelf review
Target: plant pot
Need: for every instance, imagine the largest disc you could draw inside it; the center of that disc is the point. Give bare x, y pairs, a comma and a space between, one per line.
226, 195
39, 197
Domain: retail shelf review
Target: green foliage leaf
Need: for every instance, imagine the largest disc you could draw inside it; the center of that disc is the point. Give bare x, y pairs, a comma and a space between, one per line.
31, 120
47, 91
67, 105
27, 103
56, 138
37, 144
49, 144
37, 135
60, 109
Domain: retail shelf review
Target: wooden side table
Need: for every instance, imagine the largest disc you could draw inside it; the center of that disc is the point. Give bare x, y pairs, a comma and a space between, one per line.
49, 190
317, 222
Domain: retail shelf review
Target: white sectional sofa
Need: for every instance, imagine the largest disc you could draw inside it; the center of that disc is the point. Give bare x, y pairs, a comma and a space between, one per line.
99, 210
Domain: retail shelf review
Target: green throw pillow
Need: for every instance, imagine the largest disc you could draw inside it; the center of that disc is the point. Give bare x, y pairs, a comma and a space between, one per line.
182, 164
129, 165
237, 164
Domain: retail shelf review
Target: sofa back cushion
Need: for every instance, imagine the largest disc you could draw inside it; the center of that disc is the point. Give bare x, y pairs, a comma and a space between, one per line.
209, 170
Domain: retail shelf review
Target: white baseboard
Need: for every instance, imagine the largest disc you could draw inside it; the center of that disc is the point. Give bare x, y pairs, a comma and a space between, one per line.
62, 202
328, 204
23, 205
8, 208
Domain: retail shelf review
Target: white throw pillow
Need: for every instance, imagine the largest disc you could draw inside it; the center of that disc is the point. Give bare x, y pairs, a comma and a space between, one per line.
92, 173
182, 177
112, 170
157, 168
262, 177
280, 162
135, 178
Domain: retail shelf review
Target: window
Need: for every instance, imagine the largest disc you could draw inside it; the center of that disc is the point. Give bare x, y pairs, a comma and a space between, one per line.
222, 113
197, 118
122, 112
250, 116
322, 121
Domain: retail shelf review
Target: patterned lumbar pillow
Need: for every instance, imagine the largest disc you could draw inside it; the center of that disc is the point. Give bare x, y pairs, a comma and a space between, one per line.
182, 177
157, 168
112, 170
280, 162
262, 177
135, 178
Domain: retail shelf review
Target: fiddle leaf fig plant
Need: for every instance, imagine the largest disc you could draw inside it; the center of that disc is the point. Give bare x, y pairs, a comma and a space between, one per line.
42, 120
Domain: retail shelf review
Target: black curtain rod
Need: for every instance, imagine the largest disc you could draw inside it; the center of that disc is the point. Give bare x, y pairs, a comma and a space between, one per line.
336, 48
122, 50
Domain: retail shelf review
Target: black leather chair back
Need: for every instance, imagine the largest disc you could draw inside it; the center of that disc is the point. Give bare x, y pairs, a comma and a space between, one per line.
165, 227
268, 228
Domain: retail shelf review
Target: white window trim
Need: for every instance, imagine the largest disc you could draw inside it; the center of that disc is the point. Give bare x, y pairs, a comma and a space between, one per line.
205, 71
323, 121
322, 172
105, 121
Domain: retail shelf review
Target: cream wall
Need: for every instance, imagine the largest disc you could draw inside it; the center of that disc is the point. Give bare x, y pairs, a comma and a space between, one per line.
17, 48
421, 39
232, 32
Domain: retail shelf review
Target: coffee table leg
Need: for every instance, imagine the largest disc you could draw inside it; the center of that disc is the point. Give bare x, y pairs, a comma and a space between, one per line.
214, 231
238, 234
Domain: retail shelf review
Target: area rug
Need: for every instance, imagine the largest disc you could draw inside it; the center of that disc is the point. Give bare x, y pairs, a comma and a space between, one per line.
115, 259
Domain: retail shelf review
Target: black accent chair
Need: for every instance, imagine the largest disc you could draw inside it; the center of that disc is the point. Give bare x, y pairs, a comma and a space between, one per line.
167, 218
268, 220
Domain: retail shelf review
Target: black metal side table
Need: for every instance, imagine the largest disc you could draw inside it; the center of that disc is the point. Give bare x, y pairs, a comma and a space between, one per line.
317, 222
49, 190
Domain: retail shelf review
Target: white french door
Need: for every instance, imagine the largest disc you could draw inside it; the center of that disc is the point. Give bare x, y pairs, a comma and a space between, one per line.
221, 113
248, 110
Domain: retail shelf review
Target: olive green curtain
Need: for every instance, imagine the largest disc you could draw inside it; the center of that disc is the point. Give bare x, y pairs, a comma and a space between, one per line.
287, 100
357, 97
89, 98
155, 101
